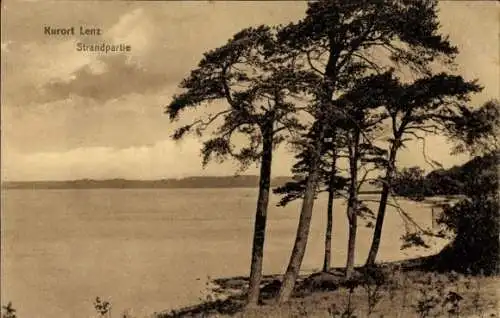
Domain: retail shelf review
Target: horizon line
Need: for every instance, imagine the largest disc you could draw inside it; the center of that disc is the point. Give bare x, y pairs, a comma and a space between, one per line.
157, 179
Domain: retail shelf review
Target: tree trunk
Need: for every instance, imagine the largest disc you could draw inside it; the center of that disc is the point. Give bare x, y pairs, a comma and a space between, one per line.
260, 218
303, 228
329, 212
377, 232
352, 206
351, 245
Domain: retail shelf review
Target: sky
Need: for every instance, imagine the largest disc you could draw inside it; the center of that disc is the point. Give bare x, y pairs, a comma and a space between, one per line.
73, 115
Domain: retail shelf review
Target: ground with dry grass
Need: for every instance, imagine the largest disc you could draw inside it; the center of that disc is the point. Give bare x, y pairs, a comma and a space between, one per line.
388, 291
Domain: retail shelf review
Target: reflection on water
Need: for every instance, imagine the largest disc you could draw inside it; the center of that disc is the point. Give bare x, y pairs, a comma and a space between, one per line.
153, 249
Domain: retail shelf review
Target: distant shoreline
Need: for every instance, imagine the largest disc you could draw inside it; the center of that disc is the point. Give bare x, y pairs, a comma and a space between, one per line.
197, 182
244, 181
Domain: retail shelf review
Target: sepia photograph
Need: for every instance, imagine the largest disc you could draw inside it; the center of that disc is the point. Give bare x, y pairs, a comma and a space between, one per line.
322, 158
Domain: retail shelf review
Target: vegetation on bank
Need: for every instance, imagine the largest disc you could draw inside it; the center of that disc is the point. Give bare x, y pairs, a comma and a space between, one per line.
473, 221
459, 180
389, 291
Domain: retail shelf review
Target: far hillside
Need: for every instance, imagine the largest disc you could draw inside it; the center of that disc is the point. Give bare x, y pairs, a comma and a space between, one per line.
242, 181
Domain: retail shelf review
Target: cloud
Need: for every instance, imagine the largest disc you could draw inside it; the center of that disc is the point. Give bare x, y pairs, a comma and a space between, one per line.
167, 40
164, 159
112, 75
131, 120
28, 66
103, 162
136, 29
43, 69
107, 78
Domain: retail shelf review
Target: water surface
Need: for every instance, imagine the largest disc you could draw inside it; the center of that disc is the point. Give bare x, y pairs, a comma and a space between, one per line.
151, 249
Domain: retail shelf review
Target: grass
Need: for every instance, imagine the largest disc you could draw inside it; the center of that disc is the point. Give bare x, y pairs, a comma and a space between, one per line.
391, 290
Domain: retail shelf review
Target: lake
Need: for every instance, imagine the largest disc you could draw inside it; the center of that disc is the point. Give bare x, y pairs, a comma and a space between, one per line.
153, 249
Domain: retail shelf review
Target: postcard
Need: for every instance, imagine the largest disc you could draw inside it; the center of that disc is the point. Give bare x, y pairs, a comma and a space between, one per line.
249, 158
